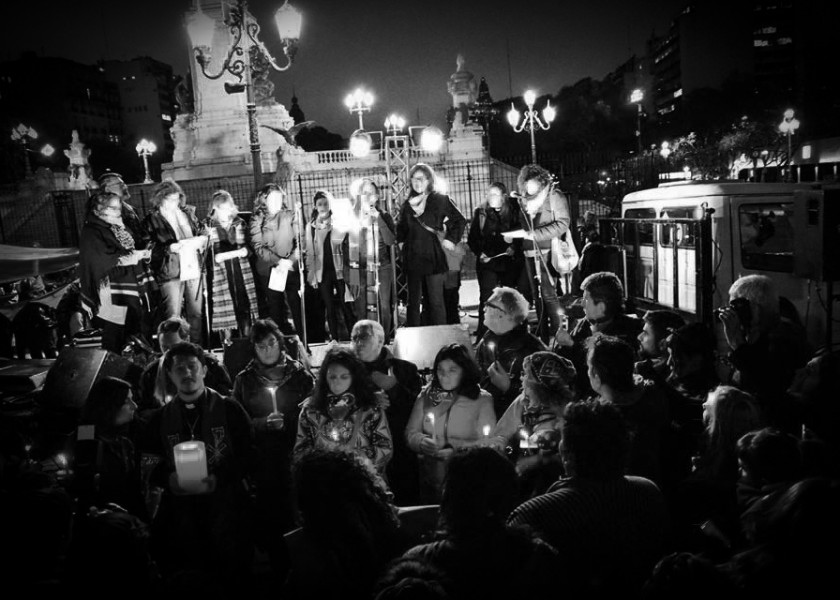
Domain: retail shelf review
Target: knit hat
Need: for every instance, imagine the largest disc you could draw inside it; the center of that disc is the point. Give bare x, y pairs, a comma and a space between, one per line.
553, 372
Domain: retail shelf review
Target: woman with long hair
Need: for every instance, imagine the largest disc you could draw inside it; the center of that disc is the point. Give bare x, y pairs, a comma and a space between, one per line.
451, 412
424, 260
345, 411
498, 262
326, 258
234, 299
116, 283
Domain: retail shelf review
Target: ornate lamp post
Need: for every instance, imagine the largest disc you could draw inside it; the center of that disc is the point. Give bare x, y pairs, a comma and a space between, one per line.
788, 126
23, 135
532, 119
245, 31
636, 97
145, 149
359, 102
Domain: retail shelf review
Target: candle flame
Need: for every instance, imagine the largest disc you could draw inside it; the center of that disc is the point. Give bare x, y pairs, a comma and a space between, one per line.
486, 430
524, 434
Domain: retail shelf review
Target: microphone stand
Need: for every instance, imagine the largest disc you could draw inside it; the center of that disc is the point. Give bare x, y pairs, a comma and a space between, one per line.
302, 278
538, 258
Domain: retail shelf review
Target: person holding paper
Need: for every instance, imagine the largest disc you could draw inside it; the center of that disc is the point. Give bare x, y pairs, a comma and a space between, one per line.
173, 227
498, 261
234, 300
543, 215
115, 280
209, 531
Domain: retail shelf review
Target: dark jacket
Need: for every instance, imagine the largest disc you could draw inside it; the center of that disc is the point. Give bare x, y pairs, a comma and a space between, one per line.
272, 238
165, 264
510, 349
485, 236
421, 250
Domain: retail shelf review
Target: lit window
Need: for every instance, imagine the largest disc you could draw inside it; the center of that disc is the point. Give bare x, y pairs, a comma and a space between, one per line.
678, 93
760, 43
806, 152
784, 41
166, 118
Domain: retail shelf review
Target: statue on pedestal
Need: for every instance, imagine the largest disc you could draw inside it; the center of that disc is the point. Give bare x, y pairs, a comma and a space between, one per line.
462, 87
79, 168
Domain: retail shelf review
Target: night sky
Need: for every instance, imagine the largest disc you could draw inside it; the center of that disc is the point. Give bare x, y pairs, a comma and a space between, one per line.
403, 52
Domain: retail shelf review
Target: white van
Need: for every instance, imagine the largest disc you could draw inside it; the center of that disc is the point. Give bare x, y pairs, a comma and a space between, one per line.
788, 231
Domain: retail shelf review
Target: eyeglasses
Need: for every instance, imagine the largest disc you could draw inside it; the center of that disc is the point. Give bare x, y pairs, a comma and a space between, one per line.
269, 345
496, 306
361, 337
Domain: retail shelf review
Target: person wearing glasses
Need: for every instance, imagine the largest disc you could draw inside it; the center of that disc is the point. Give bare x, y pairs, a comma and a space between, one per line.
115, 280
498, 262
270, 388
424, 241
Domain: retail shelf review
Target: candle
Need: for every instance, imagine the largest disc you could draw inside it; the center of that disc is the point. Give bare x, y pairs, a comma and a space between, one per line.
486, 430
523, 441
272, 390
190, 465
168, 398
491, 347
334, 434
431, 416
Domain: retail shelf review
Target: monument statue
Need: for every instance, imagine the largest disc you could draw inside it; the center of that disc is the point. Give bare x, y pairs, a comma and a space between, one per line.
79, 168
463, 89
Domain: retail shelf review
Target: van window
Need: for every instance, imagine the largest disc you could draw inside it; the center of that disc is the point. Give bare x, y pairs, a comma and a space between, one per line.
645, 229
683, 231
766, 233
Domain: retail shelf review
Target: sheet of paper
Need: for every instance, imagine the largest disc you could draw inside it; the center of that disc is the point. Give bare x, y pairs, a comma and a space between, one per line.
277, 279
188, 255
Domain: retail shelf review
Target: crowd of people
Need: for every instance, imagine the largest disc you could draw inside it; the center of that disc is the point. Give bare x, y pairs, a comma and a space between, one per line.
616, 457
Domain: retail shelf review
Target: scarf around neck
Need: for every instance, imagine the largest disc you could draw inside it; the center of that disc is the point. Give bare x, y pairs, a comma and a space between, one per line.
418, 203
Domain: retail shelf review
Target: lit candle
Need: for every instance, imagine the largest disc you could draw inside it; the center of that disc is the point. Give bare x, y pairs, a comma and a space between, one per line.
334, 434
168, 398
272, 390
491, 346
523, 441
190, 465
431, 416
486, 430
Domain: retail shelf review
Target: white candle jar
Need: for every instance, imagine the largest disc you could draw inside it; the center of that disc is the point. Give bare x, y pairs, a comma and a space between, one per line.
191, 465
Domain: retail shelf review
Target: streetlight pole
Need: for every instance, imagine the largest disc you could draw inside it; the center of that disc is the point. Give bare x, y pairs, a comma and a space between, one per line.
237, 62
359, 102
788, 126
636, 97
23, 135
145, 149
532, 120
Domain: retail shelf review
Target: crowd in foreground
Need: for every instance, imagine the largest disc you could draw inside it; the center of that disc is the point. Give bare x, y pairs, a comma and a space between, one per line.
613, 461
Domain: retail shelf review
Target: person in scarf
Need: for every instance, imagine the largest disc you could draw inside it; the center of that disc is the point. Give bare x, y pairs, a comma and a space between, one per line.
326, 256
206, 530
375, 225
170, 222
451, 412
234, 299
400, 381
156, 388
345, 411
498, 262
529, 430
116, 284
424, 260
543, 215
271, 388
504, 347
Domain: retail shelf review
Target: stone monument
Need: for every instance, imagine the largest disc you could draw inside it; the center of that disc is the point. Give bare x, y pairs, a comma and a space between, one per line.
465, 135
79, 168
212, 140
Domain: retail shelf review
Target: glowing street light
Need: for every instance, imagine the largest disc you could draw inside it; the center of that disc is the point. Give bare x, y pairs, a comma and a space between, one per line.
145, 149
359, 102
245, 31
665, 150
788, 126
636, 97
394, 124
532, 119
431, 139
23, 135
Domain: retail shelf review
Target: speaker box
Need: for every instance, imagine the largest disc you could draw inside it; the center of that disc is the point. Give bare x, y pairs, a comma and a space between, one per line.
816, 217
70, 379
420, 345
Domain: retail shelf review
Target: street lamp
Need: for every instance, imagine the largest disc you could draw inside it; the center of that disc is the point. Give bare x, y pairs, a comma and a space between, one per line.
245, 31
394, 124
532, 119
359, 102
145, 149
23, 135
636, 97
788, 126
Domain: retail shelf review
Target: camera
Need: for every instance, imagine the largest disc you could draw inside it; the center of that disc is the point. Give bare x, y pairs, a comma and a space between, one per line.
741, 306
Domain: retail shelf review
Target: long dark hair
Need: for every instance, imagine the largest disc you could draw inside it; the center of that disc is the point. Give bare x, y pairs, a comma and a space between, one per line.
430, 174
362, 386
470, 378
505, 211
